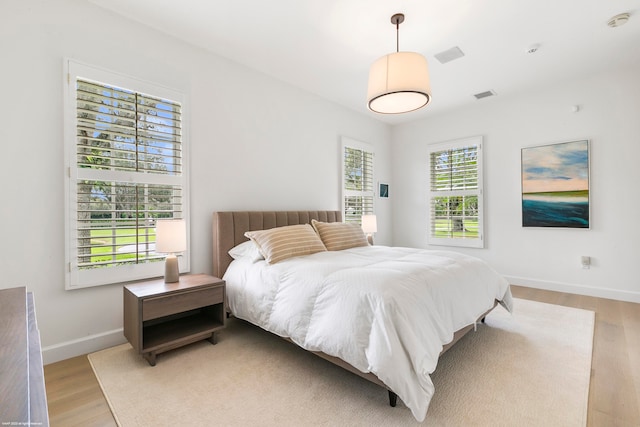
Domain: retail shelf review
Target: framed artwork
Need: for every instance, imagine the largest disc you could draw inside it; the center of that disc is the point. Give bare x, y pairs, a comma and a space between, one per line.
384, 190
555, 185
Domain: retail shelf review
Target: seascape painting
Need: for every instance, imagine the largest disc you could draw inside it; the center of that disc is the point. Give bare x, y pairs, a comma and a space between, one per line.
555, 185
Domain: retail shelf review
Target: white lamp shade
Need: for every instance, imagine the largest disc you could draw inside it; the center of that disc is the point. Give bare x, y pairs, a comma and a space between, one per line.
399, 83
171, 236
369, 224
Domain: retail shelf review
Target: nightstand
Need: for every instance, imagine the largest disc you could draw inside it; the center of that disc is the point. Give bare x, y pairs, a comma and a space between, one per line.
161, 316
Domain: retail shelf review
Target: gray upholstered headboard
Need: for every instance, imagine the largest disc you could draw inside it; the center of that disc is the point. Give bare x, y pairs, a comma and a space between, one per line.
229, 228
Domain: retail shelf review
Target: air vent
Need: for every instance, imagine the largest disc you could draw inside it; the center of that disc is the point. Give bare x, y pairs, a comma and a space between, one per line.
449, 55
484, 94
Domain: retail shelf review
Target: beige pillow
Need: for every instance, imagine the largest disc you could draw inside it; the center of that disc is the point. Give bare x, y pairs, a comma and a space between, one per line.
337, 236
277, 244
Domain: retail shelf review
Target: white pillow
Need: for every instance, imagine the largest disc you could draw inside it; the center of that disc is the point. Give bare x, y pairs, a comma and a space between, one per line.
246, 250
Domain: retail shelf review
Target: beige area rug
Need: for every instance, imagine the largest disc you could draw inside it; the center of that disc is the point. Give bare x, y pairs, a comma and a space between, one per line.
531, 368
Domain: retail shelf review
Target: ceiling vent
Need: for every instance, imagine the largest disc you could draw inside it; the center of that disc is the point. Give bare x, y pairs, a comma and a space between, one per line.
449, 55
484, 94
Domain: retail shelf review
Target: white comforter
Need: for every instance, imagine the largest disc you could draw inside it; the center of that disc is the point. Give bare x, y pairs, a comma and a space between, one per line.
383, 310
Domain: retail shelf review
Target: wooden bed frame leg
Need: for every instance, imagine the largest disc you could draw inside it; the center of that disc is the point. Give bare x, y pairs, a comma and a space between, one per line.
393, 399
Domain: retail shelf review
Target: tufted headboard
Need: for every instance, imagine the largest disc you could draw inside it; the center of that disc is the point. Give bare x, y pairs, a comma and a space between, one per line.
229, 228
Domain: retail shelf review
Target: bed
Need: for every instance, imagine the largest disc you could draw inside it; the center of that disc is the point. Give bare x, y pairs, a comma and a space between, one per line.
367, 308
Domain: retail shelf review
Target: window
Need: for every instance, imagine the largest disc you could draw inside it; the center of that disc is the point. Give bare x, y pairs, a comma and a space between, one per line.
455, 193
357, 178
125, 160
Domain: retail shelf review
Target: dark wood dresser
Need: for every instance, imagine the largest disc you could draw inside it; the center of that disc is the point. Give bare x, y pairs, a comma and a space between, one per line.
22, 390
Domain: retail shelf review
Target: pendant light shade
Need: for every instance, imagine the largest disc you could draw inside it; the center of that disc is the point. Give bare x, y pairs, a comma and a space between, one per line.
398, 82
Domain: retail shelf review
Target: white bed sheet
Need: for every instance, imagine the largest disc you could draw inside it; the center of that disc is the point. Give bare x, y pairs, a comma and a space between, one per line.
385, 310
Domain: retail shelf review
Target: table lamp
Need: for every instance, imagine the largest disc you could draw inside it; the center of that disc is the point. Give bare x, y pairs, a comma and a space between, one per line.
369, 226
171, 237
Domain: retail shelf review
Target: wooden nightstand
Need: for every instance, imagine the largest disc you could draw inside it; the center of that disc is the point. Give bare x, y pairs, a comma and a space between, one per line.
162, 316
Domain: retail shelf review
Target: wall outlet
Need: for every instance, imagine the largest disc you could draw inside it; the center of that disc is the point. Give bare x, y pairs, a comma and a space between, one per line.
586, 261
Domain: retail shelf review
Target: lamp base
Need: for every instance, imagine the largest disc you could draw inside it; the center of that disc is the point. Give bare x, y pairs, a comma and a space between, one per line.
171, 271
370, 239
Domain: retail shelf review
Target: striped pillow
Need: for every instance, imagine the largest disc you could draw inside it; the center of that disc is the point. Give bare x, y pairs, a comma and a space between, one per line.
337, 236
277, 244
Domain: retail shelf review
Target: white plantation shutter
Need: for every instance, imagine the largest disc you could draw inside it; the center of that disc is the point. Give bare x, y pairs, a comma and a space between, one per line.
357, 177
455, 193
126, 170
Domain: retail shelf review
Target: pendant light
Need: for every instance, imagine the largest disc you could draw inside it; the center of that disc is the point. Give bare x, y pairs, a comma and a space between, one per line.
398, 82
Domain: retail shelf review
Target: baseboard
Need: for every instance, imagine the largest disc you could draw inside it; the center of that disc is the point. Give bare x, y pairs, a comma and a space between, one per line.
89, 344
591, 291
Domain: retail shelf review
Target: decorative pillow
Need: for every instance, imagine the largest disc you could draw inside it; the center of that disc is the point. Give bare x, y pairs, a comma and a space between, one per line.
337, 236
246, 250
277, 244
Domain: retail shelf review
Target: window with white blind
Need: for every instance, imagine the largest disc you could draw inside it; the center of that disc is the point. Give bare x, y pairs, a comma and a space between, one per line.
357, 178
126, 168
455, 193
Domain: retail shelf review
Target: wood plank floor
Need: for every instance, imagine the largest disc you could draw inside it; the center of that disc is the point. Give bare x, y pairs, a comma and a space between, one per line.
75, 398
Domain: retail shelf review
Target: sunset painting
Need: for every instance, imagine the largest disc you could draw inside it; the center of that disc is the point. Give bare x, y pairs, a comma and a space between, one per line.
555, 185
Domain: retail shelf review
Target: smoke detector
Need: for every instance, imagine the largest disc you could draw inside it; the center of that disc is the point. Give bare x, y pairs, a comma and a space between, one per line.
618, 20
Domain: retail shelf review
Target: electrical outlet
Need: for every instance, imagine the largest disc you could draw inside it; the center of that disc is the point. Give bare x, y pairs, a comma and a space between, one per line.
586, 261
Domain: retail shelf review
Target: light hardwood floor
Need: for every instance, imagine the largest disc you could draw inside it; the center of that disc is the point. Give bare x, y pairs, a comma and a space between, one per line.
75, 398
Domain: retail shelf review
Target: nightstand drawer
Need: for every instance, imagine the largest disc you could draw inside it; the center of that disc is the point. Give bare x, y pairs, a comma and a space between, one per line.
153, 308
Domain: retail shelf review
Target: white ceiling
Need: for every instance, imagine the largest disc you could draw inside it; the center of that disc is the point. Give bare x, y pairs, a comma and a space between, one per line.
327, 46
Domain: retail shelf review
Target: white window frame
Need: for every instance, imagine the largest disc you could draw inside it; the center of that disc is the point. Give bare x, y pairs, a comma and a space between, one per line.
76, 278
470, 242
357, 145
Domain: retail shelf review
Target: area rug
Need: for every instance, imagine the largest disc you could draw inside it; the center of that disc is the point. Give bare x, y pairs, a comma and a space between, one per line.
529, 368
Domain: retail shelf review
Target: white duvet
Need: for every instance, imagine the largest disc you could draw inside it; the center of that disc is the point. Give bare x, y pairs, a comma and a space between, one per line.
381, 309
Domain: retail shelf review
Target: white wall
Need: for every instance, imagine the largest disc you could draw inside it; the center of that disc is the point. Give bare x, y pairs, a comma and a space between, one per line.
256, 143
539, 257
